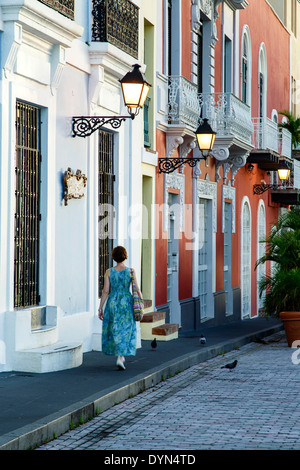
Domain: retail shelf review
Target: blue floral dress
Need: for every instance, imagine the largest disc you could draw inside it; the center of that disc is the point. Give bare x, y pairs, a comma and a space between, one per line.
119, 327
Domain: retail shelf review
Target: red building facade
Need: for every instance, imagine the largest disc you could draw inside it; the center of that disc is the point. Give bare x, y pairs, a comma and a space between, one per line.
219, 61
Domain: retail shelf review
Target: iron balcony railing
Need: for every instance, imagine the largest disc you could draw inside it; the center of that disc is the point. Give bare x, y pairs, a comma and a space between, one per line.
116, 22
266, 134
65, 7
285, 143
295, 181
184, 106
227, 114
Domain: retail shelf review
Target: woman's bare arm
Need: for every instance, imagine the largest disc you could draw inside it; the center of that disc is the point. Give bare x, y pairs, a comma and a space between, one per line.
105, 293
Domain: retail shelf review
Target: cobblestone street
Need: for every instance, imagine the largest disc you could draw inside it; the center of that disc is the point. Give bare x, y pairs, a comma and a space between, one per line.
254, 406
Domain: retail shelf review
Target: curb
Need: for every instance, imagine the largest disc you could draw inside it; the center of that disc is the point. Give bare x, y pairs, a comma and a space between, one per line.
53, 426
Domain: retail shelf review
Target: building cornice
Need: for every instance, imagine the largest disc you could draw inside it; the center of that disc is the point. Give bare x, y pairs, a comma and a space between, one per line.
41, 20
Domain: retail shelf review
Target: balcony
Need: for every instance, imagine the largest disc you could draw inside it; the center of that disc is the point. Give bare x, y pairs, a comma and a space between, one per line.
269, 144
227, 115
285, 143
116, 23
65, 7
289, 192
184, 107
230, 118
266, 135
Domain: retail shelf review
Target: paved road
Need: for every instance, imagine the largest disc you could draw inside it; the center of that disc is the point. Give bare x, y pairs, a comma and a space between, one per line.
254, 406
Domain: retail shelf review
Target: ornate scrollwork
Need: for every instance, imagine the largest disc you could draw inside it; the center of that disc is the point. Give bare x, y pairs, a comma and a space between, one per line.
168, 165
184, 105
262, 188
83, 126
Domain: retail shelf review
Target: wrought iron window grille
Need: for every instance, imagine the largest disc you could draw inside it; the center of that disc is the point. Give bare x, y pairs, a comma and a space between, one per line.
27, 206
106, 184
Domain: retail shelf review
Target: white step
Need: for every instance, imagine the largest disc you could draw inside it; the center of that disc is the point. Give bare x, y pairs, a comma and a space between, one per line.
55, 357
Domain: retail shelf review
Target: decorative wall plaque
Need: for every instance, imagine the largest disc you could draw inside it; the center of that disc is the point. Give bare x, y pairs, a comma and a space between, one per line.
74, 185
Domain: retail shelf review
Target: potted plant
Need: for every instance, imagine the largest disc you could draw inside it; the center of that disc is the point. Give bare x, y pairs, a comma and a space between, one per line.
280, 288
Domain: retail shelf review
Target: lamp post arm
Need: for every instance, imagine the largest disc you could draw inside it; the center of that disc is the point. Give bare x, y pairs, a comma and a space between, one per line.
84, 126
259, 189
168, 165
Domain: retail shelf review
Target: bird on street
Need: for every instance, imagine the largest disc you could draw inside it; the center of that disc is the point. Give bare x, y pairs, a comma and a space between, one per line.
153, 344
230, 366
202, 340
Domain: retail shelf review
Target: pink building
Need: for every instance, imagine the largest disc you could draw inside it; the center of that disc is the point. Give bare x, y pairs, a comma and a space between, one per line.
219, 61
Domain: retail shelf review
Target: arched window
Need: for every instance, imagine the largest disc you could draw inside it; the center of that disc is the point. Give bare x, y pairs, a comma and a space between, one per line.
262, 81
274, 116
246, 259
261, 248
246, 65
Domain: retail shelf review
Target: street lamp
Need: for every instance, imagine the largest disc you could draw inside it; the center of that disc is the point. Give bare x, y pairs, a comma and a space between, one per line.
283, 171
283, 174
205, 138
135, 89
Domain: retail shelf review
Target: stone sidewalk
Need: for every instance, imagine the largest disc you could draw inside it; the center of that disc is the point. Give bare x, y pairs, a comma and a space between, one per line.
253, 407
35, 407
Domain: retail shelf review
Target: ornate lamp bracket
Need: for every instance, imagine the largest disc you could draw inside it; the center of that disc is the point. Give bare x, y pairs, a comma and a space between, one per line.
259, 189
84, 126
168, 165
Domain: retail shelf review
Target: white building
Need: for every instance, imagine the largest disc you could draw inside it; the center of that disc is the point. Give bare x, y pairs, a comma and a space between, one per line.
56, 64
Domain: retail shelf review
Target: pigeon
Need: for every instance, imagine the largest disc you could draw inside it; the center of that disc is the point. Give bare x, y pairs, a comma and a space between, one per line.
202, 340
154, 344
230, 366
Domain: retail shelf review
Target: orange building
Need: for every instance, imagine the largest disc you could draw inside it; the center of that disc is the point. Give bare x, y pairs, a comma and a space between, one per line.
219, 62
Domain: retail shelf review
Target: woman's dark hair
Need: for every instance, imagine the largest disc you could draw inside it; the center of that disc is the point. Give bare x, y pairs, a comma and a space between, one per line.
119, 254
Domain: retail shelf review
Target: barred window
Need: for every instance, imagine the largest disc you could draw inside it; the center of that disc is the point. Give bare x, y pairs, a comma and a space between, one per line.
106, 201
27, 210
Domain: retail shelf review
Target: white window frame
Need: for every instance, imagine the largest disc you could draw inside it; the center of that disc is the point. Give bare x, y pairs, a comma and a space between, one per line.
245, 202
207, 267
206, 190
261, 248
228, 267
246, 38
262, 68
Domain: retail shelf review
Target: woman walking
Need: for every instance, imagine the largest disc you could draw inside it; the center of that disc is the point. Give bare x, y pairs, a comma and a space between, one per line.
119, 327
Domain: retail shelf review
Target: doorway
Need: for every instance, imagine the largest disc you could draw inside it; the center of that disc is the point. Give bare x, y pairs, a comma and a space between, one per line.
146, 275
173, 259
246, 261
